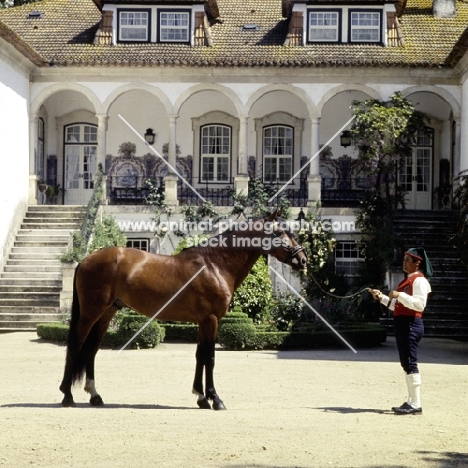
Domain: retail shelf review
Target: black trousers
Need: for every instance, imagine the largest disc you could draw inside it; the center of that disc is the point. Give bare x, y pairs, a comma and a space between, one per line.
408, 334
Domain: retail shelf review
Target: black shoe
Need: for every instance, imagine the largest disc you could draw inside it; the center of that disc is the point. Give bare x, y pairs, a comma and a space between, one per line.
405, 405
408, 410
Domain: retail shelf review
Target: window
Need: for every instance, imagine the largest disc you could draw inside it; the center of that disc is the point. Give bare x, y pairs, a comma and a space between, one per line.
278, 153
141, 244
324, 26
40, 150
174, 26
134, 26
215, 153
365, 26
348, 258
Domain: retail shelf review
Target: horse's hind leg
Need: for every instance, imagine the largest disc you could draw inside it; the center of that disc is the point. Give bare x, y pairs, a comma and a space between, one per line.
91, 348
205, 356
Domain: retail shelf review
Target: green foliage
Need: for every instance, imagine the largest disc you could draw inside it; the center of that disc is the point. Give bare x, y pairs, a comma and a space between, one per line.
132, 323
384, 133
107, 234
257, 200
286, 310
11, 3
460, 198
188, 242
178, 331
236, 331
78, 249
124, 325
254, 295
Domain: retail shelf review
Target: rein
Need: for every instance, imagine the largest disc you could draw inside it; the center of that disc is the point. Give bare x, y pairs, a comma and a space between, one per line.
334, 295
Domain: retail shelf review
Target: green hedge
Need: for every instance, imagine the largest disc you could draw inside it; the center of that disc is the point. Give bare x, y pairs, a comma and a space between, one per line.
150, 337
234, 333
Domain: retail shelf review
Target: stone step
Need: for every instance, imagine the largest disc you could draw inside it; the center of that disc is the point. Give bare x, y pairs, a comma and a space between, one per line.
26, 289
33, 262
36, 269
26, 321
49, 275
64, 225
42, 243
25, 301
56, 207
20, 281
23, 254
29, 295
38, 249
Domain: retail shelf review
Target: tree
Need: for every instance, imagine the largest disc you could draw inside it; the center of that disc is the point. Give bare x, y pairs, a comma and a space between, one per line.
14, 3
383, 133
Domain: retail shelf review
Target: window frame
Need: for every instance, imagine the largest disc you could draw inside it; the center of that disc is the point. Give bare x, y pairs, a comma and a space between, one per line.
119, 26
131, 241
339, 14
215, 156
353, 261
188, 28
352, 11
277, 156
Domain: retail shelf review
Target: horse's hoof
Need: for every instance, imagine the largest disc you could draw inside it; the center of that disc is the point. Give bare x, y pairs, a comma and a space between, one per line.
96, 400
204, 404
68, 402
218, 405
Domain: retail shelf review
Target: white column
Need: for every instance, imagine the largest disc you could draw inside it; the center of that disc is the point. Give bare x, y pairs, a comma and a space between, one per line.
171, 179
32, 196
462, 132
101, 139
241, 181
314, 181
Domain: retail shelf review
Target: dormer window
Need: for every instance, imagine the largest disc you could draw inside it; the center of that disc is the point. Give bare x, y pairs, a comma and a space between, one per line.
134, 26
365, 26
174, 26
324, 26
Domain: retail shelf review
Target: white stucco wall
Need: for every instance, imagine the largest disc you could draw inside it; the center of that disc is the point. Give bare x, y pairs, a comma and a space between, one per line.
14, 145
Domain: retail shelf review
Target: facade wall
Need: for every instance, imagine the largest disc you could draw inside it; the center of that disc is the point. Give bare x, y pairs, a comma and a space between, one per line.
14, 138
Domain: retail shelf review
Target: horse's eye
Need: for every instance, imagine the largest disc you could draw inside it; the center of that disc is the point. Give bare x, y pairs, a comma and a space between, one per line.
278, 233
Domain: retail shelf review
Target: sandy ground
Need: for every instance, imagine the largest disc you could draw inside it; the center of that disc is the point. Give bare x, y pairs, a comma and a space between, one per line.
325, 408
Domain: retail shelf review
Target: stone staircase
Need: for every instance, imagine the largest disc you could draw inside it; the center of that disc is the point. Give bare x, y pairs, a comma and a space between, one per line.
31, 280
445, 313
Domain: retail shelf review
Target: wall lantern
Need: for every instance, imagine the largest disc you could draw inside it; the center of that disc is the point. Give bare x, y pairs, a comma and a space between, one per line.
345, 138
150, 136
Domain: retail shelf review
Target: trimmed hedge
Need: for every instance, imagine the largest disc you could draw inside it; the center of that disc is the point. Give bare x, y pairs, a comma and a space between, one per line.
179, 331
150, 337
237, 334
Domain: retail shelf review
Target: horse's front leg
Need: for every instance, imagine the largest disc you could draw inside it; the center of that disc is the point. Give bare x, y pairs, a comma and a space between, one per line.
205, 356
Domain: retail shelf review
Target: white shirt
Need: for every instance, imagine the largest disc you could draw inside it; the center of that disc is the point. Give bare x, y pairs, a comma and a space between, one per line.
417, 302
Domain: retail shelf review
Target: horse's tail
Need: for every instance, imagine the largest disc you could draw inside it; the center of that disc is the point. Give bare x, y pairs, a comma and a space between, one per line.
74, 354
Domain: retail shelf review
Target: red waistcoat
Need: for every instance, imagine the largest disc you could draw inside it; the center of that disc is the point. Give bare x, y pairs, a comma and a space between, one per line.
406, 286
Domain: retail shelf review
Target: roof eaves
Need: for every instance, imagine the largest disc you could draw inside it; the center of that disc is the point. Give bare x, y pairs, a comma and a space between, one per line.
17, 42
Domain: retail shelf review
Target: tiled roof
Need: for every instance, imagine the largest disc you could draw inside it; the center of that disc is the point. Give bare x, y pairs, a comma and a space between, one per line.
64, 36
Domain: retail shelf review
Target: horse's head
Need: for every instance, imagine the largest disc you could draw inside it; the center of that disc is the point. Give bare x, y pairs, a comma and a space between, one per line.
286, 249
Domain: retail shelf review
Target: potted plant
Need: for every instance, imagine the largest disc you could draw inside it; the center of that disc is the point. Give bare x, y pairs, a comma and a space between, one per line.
127, 148
42, 185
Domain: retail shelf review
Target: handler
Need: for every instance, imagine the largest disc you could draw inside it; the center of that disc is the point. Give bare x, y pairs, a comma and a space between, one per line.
408, 303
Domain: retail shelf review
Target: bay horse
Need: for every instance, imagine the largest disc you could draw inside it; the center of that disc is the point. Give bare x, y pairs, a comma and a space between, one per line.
116, 277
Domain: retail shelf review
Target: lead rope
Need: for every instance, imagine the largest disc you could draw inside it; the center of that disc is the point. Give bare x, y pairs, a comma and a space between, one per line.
334, 295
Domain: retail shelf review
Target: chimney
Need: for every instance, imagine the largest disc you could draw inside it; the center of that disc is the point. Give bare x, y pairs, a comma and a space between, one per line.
444, 8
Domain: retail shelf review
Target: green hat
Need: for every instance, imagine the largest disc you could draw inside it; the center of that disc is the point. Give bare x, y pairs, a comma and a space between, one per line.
420, 254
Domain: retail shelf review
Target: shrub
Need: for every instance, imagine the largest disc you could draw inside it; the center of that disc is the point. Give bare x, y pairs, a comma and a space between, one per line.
180, 331
236, 331
123, 327
254, 295
107, 234
149, 337
287, 309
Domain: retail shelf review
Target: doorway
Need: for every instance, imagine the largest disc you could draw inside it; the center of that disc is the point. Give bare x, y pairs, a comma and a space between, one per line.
415, 173
80, 162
